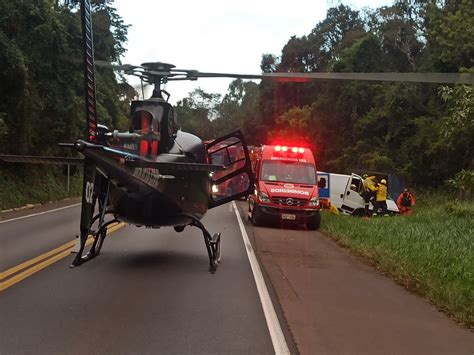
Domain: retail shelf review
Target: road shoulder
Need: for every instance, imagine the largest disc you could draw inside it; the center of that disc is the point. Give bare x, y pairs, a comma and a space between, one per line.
38, 208
333, 302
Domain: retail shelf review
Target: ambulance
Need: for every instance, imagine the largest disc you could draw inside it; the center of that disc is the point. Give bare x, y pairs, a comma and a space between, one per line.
285, 187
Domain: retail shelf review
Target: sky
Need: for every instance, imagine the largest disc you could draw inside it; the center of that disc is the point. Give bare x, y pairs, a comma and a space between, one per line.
217, 35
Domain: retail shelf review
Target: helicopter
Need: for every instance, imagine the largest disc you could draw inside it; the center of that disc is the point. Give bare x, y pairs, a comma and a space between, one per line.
156, 175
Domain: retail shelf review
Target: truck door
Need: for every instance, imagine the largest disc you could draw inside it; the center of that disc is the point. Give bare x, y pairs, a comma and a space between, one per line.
353, 202
323, 185
237, 180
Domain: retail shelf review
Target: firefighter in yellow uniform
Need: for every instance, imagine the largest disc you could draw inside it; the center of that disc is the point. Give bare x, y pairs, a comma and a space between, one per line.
381, 197
369, 192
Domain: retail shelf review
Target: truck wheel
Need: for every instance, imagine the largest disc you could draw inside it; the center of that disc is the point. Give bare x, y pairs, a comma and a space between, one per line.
314, 222
256, 216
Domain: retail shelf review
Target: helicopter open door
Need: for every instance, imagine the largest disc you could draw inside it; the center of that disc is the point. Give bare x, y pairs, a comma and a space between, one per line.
236, 181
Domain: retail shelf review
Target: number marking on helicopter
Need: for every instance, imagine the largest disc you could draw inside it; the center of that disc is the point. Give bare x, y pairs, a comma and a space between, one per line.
149, 176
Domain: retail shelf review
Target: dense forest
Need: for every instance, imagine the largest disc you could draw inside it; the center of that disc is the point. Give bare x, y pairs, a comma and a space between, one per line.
423, 132
41, 82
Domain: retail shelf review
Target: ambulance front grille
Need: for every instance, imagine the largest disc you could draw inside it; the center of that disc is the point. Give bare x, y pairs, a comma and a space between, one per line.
290, 201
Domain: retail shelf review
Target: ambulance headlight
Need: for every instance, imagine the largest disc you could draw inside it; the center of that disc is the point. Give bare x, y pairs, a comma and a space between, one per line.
215, 189
314, 202
262, 196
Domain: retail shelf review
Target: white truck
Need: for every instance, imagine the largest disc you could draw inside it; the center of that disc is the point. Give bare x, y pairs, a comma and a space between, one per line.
346, 191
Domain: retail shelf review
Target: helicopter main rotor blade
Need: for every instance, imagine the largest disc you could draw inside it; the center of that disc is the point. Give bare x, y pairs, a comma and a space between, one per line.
444, 78
149, 70
198, 74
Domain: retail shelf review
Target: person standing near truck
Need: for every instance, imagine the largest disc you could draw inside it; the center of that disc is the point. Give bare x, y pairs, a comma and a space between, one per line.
369, 192
405, 202
381, 197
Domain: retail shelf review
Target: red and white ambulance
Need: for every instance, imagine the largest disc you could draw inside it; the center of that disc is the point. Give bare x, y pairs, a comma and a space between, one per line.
285, 186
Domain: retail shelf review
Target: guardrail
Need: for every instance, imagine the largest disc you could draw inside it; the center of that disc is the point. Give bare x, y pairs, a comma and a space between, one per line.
31, 159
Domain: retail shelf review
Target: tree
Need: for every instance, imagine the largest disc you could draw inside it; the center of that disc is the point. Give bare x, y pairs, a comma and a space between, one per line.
458, 123
293, 127
41, 81
238, 106
196, 112
398, 28
449, 33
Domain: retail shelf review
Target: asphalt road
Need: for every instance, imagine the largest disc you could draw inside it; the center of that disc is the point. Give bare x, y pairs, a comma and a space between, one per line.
149, 292
25, 238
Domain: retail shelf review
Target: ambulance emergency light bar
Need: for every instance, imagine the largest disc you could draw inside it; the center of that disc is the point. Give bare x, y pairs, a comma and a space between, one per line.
284, 149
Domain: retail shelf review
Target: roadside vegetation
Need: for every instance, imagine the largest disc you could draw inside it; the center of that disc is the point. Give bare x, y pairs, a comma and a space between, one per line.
421, 132
22, 185
430, 252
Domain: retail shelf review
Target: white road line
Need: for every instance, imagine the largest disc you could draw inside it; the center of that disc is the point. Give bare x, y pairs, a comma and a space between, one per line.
40, 213
278, 339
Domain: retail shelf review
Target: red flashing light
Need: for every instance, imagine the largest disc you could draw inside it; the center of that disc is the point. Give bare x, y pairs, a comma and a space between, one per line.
285, 149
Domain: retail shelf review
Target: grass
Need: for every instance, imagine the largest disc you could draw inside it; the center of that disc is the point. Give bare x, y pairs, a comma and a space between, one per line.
431, 252
31, 184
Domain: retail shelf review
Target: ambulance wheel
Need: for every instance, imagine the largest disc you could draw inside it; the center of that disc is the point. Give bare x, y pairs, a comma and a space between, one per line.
314, 222
256, 216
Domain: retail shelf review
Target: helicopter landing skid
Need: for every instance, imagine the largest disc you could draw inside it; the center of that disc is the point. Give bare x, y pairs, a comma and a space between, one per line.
213, 244
98, 241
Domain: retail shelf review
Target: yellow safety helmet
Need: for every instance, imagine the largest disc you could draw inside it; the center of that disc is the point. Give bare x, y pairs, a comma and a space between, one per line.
383, 181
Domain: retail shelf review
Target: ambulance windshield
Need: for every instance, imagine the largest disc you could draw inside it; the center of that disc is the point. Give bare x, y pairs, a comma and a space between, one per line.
298, 173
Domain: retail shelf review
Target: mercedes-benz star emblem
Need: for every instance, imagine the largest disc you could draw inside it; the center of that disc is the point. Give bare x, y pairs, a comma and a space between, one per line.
289, 201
